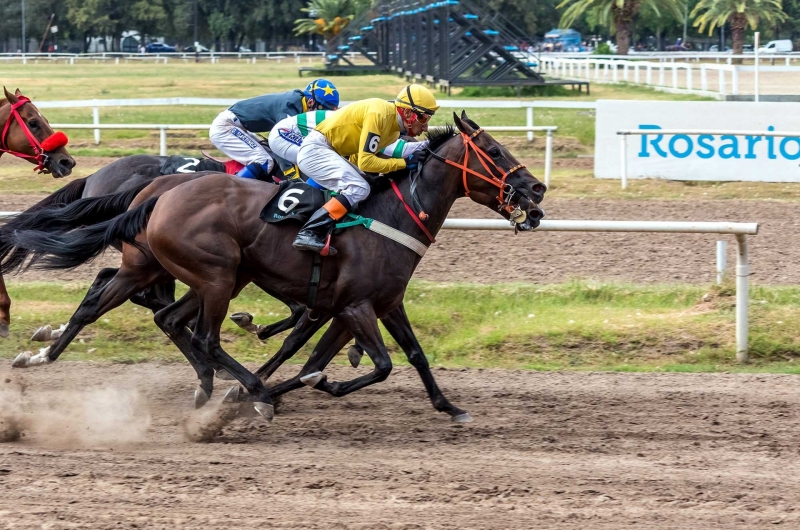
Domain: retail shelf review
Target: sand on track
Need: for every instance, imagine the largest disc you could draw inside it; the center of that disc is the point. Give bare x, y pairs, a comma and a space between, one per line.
547, 450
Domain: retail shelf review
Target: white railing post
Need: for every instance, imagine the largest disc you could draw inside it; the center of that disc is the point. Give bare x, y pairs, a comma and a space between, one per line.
689, 77
623, 154
674, 76
636, 73
548, 157
661, 74
529, 121
162, 141
742, 294
96, 121
615, 73
722, 257
625, 70
649, 76
735, 81
721, 77
703, 78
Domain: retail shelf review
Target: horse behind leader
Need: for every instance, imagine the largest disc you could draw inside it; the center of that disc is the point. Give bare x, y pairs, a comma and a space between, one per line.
27, 134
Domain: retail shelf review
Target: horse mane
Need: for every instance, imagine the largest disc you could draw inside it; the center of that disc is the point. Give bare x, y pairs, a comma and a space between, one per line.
439, 135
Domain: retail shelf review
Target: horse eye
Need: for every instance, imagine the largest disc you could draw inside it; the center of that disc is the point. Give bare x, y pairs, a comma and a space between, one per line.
494, 152
33, 124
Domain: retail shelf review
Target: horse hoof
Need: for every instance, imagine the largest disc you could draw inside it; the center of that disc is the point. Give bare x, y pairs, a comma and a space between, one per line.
266, 410
22, 360
224, 375
201, 397
312, 379
354, 355
42, 334
242, 319
232, 395
464, 417
3, 330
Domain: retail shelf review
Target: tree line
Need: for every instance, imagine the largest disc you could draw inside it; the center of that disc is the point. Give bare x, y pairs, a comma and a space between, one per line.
226, 25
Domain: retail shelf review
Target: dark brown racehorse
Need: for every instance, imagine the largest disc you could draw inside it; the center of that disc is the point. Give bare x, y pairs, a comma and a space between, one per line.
208, 234
26, 134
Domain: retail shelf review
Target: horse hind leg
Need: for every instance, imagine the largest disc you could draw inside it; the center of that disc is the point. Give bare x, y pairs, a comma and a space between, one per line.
97, 302
245, 320
172, 320
214, 300
5, 309
46, 333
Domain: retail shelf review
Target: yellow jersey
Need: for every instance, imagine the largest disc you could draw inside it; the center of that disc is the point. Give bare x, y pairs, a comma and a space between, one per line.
364, 129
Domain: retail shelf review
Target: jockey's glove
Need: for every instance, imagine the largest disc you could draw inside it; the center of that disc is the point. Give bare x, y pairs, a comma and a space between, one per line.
412, 161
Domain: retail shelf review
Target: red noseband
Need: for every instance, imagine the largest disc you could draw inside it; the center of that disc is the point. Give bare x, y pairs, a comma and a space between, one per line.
51, 143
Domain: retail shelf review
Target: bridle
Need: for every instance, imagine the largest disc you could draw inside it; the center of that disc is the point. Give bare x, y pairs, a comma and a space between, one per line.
505, 191
39, 156
504, 196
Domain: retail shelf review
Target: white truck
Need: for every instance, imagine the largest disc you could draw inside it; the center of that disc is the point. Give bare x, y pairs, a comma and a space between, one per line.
777, 46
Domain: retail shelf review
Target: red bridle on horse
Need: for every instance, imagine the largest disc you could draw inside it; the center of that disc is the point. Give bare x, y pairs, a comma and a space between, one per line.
51, 143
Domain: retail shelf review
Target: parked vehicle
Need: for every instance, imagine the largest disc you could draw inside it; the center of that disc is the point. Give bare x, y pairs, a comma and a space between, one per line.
159, 47
715, 48
777, 46
562, 40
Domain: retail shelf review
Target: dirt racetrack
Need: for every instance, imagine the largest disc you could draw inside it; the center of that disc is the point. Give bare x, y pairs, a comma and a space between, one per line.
546, 450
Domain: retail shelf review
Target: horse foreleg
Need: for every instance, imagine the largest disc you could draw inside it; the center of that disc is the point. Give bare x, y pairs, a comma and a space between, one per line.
333, 340
245, 320
398, 326
363, 324
5, 309
304, 330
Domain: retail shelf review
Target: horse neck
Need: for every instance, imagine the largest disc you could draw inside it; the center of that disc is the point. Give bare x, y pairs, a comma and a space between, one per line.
436, 190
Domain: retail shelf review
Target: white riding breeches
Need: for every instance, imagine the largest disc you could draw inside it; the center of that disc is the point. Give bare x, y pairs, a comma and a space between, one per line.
317, 160
228, 135
285, 142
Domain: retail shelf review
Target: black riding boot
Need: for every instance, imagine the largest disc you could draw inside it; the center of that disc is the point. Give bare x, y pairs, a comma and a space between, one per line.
314, 234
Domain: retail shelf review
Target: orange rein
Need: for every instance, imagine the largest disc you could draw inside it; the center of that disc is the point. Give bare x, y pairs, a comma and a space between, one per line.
482, 158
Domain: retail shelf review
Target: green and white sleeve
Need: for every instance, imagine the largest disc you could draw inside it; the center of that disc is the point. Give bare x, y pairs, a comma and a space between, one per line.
403, 149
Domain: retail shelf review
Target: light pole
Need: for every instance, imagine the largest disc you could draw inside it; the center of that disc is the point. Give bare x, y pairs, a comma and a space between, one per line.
24, 43
196, 43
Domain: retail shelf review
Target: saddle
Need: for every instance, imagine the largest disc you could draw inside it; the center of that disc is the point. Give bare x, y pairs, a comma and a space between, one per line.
294, 200
186, 164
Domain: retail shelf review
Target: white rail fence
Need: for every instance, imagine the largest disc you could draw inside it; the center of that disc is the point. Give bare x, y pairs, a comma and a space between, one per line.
163, 58
740, 230
686, 77
623, 140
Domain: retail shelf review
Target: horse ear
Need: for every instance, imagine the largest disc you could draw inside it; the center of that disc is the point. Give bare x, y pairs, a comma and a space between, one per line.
462, 126
469, 122
9, 96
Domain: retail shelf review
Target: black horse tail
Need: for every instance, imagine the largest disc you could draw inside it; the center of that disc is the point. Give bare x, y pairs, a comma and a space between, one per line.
54, 219
63, 196
72, 249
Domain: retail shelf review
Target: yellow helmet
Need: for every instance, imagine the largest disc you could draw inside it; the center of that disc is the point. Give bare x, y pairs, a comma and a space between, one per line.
417, 98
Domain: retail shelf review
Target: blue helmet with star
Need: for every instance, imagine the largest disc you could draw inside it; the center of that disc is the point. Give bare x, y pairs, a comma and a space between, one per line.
324, 93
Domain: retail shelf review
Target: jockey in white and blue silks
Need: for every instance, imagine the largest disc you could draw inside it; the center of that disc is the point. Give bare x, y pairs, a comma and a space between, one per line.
287, 136
232, 131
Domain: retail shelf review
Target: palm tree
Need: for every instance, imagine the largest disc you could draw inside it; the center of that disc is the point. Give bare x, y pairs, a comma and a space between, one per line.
620, 12
740, 14
329, 17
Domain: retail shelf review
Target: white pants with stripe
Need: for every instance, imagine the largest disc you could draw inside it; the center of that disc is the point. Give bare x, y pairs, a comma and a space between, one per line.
228, 135
317, 159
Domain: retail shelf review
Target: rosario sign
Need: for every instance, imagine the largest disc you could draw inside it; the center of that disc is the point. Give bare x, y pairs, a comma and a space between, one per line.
717, 157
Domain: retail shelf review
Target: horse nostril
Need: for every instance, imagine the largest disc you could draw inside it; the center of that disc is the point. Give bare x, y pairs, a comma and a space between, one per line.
68, 163
539, 189
536, 214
